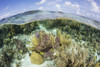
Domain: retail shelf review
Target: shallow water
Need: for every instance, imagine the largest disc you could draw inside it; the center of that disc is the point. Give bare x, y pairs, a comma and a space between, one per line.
15, 40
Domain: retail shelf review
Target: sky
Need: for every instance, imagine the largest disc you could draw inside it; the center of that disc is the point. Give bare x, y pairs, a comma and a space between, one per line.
87, 8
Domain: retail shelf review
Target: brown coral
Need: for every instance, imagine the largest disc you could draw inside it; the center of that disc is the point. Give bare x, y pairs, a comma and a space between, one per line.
97, 64
74, 57
62, 48
44, 42
36, 58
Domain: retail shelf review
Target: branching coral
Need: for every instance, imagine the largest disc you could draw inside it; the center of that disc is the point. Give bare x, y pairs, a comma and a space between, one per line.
74, 57
44, 43
64, 39
6, 57
11, 54
20, 45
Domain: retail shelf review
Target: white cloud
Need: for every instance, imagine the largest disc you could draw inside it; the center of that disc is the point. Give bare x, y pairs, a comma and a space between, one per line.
95, 7
6, 8
25, 9
58, 7
50, 3
41, 2
59, 0
40, 8
68, 3
98, 16
73, 6
4, 16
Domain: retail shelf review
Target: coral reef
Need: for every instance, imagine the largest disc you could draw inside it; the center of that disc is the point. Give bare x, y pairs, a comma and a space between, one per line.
74, 44
97, 64
45, 43
10, 30
84, 34
20, 46
41, 41
36, 58
73, 57
62, 48
78, 30
11, 53
6, 57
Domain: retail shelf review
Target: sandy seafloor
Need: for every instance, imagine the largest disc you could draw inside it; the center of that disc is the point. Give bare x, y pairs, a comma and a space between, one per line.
25, 62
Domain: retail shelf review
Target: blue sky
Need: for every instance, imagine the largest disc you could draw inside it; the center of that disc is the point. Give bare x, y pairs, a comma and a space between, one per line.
88, 8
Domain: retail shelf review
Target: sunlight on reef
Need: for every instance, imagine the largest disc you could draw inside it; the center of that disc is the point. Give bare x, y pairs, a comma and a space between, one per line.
57, 43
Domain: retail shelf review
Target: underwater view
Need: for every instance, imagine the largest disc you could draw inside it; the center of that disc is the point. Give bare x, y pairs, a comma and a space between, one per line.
49, 38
